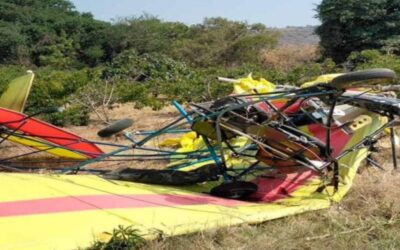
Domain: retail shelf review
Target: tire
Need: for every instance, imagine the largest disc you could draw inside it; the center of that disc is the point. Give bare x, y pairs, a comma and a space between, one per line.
115, 127
364, 77
234, 190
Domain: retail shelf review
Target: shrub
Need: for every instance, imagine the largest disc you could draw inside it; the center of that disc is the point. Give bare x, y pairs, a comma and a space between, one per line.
75, 115
150, 79
52, 88
121, 238
374, 59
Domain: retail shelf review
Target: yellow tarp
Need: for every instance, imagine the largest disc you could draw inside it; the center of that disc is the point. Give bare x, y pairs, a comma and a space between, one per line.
249, 85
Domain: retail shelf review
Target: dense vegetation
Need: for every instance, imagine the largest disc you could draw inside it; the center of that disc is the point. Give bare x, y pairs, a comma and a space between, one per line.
356, 25
82, 63
52, 33
142, 59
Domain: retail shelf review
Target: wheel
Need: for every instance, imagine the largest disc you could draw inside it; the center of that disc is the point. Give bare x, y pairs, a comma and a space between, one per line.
364, 77
115, 127
234, 190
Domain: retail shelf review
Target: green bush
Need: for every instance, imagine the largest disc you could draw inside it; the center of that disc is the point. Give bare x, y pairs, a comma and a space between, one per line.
150, 79
52, 88
75, 115
374, 59
121, 238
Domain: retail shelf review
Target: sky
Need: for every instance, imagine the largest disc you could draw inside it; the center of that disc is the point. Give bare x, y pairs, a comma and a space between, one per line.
272, 13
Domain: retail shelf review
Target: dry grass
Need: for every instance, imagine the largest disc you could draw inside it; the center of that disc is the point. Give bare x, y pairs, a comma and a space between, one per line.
288, 57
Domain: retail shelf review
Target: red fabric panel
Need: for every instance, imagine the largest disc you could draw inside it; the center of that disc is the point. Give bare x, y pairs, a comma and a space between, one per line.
36, 128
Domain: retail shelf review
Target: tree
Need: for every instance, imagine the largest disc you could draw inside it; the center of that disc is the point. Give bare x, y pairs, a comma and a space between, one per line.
12, 45
218, 41
43, 32
148, 34
356, 25
249, 48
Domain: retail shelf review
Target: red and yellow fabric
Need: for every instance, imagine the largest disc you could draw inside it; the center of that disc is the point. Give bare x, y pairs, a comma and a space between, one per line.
67, 212
14, 98
46, 132
45, 146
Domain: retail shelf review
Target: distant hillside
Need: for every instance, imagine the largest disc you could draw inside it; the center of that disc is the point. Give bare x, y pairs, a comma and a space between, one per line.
298, 36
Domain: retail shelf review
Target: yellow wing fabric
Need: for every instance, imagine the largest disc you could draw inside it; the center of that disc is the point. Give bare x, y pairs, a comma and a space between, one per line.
15, 96
46, 147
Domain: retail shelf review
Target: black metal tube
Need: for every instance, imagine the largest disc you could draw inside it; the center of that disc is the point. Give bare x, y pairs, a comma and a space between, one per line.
328, 152
393, 142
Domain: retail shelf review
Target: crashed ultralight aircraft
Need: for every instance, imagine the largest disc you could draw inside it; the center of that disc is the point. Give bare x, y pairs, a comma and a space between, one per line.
264, 152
